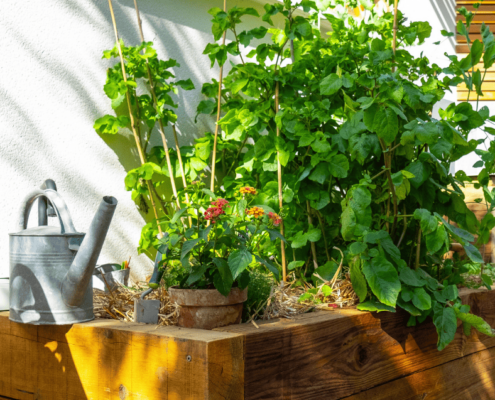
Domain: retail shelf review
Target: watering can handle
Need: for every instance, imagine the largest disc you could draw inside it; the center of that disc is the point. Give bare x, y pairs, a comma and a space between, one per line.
66, 224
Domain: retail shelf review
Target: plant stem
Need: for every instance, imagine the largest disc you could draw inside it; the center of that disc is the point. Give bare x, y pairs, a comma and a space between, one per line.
405, 228
418, 250
237, 156
322, 225
313, 245
388, 163
380, 173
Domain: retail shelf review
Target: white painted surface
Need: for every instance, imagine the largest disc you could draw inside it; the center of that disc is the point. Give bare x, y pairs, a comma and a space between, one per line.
4, 294
51, 92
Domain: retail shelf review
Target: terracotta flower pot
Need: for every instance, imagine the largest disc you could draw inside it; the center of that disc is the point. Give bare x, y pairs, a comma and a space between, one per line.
208, 308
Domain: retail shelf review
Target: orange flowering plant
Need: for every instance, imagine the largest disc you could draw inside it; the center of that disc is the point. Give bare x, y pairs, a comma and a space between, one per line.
224, 242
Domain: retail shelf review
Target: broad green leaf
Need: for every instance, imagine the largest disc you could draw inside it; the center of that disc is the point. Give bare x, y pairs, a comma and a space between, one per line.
209, 193
477, 322
473, 253
274, 234
330, 85
357, 279
313, 234
295, 264
326, 290
436, 240
421, 299
177, 215
299, 240
223, 280
383, 280
445, 321
386, 125
239, 260
327, 271
238, 85
427, 221
411, 277
338, 166
196, 273
348, 220
408, 307
186, 249
357, 248
320, 173
374, 306
272, 268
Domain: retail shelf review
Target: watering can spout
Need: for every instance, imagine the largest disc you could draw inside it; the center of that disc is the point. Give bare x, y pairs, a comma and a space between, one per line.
80, 273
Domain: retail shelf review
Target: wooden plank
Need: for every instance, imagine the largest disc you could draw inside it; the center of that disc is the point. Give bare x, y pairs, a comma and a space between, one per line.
487, 86
331, 355
467, 378
478, 18
476, 27
111, 360
487, 96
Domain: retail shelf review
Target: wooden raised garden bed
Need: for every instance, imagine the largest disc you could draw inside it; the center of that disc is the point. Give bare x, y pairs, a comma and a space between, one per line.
342, 354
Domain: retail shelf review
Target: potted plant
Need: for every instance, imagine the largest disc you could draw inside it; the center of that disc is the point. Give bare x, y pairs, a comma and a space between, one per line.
226, 237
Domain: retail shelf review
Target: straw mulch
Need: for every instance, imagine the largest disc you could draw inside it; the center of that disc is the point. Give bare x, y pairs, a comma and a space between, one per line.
119, 304
283, 301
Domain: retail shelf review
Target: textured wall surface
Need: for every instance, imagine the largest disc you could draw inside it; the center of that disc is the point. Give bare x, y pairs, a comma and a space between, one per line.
51, 91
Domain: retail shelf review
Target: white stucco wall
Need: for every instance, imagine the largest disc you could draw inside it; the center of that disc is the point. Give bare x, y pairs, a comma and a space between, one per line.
51, 91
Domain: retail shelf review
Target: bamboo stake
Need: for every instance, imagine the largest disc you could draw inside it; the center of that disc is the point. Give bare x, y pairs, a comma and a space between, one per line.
220, 79
161, 128
394, 42
133, 122
280, 195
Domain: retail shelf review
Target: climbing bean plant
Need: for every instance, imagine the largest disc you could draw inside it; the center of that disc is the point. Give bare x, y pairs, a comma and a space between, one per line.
366, 164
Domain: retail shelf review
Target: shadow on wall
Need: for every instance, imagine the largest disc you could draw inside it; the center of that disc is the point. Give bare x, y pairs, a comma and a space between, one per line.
445, 11
174, 35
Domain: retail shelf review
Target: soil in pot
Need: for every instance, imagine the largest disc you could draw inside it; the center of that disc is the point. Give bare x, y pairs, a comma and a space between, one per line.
208, 308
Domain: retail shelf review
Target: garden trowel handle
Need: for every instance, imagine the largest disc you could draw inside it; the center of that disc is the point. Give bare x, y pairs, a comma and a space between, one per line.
156, 277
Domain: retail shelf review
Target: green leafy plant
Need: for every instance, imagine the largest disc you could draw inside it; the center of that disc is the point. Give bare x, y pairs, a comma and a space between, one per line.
366, 165
225, 239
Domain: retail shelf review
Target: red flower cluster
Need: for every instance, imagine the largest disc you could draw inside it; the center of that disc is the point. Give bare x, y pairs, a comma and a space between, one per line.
220, 203
214, 212
277, 219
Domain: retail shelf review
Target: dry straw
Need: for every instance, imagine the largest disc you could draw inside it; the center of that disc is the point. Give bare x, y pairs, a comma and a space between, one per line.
119, 304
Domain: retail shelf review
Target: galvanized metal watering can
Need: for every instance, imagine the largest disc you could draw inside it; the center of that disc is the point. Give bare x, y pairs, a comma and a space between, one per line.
51, 267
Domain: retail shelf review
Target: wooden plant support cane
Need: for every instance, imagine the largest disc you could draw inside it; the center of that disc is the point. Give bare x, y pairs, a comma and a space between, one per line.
220, 79
162, 130
133, 122
280, 195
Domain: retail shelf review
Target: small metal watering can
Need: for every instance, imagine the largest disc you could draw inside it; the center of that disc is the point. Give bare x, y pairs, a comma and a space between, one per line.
51, 267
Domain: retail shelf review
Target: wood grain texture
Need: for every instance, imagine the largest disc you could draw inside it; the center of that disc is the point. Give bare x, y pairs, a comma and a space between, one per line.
111, 360
333, 355
468, 378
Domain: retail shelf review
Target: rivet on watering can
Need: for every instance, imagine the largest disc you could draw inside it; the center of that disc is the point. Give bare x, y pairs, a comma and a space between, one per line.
188, 358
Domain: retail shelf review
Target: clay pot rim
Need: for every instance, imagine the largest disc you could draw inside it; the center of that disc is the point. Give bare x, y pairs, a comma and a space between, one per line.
206, 297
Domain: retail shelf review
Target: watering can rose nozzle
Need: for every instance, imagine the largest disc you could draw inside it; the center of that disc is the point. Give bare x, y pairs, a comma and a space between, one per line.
80, 273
